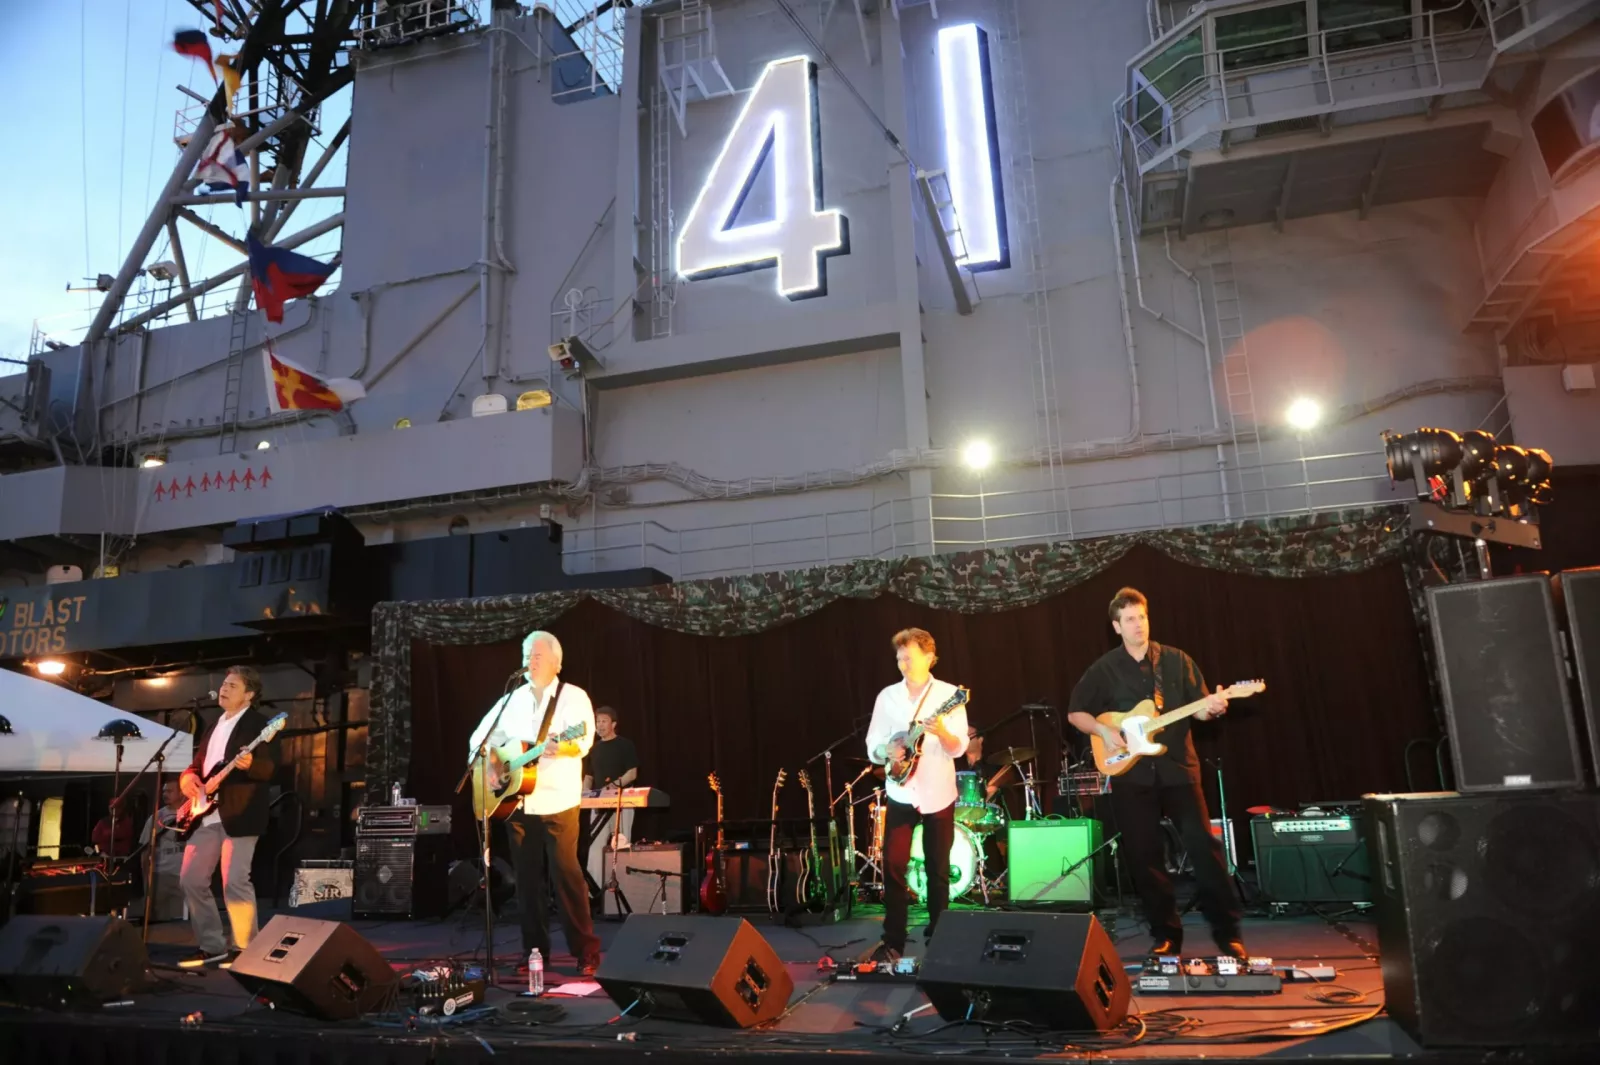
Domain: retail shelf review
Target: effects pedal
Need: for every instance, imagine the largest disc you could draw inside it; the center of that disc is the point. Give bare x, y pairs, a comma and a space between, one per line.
443, 991
903, 971
1171, 975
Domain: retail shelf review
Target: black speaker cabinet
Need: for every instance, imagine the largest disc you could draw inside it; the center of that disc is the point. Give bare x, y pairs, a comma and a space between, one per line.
714, 970
1506, 700
1059, 970
400, 876
1577, 593
70, 960
1488, 915
320, 968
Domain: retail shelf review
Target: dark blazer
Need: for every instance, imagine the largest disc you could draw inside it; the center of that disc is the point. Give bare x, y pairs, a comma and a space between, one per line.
242, 799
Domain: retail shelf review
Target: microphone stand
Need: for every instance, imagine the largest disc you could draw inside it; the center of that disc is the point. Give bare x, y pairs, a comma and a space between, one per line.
160, 760
614, 885
482, 753
851, 876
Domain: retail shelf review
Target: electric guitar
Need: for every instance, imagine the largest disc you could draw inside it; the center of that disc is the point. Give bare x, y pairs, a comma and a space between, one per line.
713, 896
774, 857
516, 775
810, 893
900, 772
186, 818
1142, 722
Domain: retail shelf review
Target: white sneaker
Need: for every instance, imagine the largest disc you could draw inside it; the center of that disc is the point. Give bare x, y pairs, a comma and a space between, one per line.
200, 959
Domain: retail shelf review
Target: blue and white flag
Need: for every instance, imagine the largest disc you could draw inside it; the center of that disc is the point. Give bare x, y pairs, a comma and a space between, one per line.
223, 165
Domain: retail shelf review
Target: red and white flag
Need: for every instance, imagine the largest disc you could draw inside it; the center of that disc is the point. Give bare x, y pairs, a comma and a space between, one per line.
291, 386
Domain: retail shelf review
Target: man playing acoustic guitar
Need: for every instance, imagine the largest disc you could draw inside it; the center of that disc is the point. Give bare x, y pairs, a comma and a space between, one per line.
928, 795
1166, 784
545, 825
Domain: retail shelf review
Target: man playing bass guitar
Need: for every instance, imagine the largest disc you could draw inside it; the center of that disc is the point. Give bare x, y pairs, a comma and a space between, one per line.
918, 729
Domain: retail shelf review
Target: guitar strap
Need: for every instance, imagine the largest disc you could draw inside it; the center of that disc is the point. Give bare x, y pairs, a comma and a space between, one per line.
1155, 672
550, 712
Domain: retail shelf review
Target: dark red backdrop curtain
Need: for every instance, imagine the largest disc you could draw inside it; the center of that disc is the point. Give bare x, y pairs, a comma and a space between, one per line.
1345, 685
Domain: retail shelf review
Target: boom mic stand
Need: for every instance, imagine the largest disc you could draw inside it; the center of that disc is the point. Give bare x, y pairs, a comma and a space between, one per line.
614, 885
482, 754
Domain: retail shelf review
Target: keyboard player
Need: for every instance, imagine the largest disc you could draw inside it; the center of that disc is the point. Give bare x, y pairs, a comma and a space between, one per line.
612, 763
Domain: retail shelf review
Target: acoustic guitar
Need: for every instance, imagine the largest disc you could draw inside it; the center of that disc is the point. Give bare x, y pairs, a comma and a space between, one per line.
516, 774
713, 893
1142, 722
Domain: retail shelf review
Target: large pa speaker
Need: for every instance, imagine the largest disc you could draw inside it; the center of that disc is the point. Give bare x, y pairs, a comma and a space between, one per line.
1506, 700
48, 960
1488, 917
1059, 970
1577, 593
715, 970
320, 968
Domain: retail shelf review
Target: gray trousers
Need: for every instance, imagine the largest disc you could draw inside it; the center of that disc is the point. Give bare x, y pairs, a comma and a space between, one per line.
209, 846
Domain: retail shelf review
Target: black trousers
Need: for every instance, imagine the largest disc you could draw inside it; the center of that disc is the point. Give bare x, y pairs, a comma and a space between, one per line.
1139, 809
938, 833
537, 843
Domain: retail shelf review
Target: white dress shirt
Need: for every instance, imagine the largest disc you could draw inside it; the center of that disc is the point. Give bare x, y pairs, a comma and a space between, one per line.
560, 783
216, 749
933, 786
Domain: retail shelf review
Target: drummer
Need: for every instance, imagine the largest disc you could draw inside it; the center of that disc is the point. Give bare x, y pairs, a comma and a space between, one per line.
972, 761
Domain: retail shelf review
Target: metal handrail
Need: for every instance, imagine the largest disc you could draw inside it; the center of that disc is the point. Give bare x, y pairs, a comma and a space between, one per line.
874, 531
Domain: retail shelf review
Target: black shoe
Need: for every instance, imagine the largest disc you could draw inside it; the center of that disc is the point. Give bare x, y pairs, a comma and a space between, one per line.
200, 959
588, 966
1166, 946
1231, 945
883, 953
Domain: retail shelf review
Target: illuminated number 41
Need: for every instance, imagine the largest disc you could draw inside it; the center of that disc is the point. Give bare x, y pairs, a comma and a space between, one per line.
779, 122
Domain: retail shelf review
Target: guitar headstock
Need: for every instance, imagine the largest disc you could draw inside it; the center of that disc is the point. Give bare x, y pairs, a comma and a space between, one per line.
716, 785
805, 780
783, 775
1240, 689
274, 727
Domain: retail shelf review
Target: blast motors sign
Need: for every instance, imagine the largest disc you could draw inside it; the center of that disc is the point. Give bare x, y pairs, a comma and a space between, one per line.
42, 627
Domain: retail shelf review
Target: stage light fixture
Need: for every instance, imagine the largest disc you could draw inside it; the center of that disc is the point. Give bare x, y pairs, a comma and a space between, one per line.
1421, 455
120, 730
1303, 414
977, 455
152, 459
5, 726
50, 667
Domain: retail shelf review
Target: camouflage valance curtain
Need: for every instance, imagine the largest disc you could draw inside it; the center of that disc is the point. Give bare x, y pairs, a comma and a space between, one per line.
972, 582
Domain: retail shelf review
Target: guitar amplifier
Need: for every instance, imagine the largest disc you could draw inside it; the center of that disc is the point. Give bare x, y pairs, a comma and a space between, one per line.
1320, 858
637, 869
1048, 861
400, 876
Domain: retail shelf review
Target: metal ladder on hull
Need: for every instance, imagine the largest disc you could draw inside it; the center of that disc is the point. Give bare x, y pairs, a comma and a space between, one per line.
1250, 478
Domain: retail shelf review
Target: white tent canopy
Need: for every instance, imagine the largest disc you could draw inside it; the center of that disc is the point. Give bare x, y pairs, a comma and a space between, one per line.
54, 730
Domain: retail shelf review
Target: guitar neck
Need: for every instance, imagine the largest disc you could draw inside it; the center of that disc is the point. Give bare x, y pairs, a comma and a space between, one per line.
1179, 714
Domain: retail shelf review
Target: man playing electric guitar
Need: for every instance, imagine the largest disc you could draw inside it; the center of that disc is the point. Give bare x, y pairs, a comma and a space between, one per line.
1167, 784
228, 834
545, 826
927, 796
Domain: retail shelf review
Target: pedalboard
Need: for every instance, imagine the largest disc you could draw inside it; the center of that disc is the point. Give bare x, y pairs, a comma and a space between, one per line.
1172, 975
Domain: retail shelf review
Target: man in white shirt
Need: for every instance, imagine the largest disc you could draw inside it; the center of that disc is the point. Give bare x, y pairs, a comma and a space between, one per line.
928, 797
167, 850
547, 823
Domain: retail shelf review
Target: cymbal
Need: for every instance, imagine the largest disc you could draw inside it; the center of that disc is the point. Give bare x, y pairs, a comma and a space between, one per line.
1007, 755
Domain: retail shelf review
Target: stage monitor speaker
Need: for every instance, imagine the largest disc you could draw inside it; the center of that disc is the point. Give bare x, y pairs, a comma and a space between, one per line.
714, 970
320, 968
1488, 917
1048, 861
1577, 593
1506, 701
47, 960
637, 876
1058, 970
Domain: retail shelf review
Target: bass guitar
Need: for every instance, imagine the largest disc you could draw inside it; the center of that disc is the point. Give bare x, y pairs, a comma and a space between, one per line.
774, 857
810, 893
513, 773
900, 772
186, 818
713, 895
1139, 724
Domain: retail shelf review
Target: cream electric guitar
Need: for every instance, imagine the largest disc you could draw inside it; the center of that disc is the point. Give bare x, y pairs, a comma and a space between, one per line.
1142, 722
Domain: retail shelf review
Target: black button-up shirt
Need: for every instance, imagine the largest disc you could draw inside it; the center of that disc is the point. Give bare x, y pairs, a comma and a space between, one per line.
1119, 682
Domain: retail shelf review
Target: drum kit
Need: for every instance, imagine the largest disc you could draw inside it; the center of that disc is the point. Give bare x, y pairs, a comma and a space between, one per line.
979, 822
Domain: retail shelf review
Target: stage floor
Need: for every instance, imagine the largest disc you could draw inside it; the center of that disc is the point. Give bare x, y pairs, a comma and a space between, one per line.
824, 1016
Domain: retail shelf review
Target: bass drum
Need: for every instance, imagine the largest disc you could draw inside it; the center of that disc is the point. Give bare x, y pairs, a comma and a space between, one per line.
963, 863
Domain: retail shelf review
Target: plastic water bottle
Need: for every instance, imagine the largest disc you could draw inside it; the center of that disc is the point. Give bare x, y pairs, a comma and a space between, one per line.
535, 972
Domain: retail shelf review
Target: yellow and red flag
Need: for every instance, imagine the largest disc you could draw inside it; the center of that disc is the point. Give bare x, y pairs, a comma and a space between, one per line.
291, 386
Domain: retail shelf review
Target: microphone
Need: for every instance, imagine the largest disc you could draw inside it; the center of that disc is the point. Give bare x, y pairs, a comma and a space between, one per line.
212, 695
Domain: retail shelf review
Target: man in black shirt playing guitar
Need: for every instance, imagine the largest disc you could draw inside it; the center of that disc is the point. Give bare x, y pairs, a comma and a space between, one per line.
1162, 785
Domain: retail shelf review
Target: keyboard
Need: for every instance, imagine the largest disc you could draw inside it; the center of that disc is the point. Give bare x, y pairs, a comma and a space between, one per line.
632, 799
